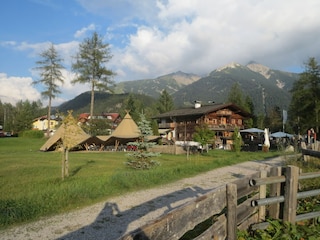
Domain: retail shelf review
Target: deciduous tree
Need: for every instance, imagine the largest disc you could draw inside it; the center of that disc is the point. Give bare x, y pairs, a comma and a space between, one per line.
23, 114
68, 139
203, 135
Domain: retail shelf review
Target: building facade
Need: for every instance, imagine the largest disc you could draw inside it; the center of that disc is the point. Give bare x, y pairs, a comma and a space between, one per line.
41, 123
223, 119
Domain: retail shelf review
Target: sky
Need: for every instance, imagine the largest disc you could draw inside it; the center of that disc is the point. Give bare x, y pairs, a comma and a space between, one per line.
151, 38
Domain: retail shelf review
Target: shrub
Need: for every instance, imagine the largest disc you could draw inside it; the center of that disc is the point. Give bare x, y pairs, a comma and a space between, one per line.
33, 134
281, 230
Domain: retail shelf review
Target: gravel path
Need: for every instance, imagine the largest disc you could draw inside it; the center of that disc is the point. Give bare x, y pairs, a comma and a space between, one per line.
111, 219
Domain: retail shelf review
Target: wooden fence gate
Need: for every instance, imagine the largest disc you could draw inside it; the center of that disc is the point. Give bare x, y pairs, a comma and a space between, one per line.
235, 206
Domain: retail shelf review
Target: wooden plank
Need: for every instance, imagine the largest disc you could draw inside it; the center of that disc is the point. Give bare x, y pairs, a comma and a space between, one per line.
249, 221
260, 226
177, 222
243, 187
231, 211
290, 194
262, 195
218, 231
244, 210
275, 191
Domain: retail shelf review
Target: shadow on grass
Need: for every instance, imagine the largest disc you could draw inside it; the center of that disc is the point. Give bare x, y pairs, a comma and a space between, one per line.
77, 169
112, 223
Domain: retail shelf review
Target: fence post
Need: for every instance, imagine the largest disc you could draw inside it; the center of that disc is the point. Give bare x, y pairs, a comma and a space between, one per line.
262, 195
231, 211
275, 191
290, 194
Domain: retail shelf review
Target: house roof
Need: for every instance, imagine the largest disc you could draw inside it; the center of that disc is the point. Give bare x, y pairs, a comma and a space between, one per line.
126, 131
75, 133
192, 111
127, 128
44, 117
111, 116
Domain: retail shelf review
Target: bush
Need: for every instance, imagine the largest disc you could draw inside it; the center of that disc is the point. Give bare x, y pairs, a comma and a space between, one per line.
33, 134
279, 230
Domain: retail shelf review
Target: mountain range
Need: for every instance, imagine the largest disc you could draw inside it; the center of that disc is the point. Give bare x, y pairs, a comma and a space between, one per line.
266, 87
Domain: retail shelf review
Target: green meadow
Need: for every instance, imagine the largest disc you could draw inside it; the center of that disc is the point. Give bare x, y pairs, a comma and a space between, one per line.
31, 185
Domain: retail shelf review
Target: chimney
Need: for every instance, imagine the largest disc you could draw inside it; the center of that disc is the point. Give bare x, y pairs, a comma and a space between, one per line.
197, 104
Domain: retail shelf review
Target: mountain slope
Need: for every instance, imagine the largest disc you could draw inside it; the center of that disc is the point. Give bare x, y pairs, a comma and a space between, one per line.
153, 87
266, 87
104, 102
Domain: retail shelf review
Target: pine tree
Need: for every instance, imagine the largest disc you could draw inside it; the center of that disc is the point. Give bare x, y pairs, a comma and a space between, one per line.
304, 110
165, 102
236, 95
142, 158
90, 66
50, 67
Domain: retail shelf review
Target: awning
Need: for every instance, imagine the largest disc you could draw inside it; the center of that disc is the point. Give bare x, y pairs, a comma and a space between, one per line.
252, 130
281, 135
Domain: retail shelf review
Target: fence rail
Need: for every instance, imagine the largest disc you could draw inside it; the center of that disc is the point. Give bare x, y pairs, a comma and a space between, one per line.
237, 205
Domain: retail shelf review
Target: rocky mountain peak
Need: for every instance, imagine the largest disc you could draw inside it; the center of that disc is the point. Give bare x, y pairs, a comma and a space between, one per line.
230, 65
184, 78
259, 68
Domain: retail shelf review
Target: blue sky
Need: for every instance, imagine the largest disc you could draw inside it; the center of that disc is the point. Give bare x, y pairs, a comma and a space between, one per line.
150, 38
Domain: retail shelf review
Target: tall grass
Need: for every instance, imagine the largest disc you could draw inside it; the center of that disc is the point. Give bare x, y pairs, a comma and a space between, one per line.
31, 186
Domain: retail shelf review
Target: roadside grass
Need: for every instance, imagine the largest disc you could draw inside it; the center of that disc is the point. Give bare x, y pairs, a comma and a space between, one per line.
31, 185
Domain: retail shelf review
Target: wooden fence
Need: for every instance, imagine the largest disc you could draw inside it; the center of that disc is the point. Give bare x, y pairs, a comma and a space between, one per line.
237, 205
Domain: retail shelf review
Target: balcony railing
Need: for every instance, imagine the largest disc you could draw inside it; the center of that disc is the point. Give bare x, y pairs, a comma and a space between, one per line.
167, 125
192, 125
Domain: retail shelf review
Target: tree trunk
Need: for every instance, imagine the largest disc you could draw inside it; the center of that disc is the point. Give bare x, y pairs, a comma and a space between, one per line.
92, 100
66, 172
65, 163
62, 163
49, 117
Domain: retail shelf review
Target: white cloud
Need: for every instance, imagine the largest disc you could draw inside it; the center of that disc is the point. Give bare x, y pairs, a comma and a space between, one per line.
69, 90
156, 37
8, 43
14, 89
199, 36
82, 32
27, 91
67, 51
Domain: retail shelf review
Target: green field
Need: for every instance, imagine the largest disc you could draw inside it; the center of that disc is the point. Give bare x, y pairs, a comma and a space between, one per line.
31, 185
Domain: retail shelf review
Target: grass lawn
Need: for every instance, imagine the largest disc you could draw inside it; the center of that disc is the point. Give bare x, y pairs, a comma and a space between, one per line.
31, 185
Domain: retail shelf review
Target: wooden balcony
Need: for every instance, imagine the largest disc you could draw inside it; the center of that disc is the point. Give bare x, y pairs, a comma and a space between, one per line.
167, 125
189, 126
